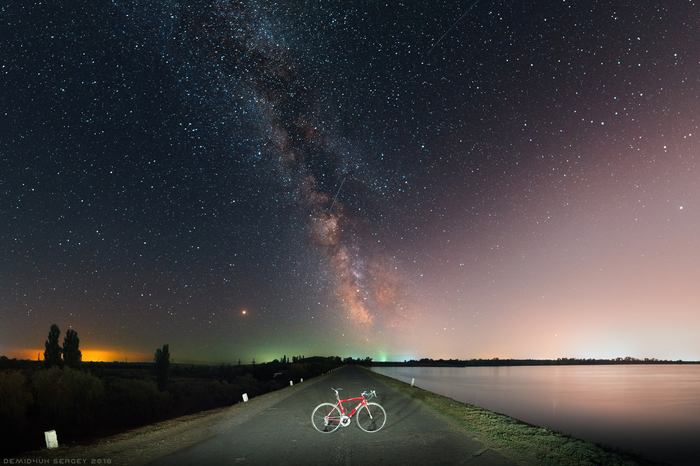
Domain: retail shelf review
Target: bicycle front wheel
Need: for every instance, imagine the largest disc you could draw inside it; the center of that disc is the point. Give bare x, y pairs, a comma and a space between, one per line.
371, 418
326, 418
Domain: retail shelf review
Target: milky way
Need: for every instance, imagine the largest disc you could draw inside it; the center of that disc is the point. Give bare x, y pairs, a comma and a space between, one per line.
298, 136
436, 179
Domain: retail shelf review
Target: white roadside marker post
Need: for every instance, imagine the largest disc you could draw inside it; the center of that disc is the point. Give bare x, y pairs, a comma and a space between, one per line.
51, 439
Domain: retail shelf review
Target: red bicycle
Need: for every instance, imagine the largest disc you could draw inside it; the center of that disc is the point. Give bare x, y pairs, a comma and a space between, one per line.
327, 417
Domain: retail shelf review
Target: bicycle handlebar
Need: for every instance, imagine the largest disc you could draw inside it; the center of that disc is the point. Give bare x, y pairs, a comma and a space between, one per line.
371, 394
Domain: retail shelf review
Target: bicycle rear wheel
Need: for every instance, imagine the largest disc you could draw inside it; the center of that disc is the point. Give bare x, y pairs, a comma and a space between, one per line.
371, 418
326, 418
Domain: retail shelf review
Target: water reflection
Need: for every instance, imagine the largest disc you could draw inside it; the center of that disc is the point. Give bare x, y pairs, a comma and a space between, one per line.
650, 409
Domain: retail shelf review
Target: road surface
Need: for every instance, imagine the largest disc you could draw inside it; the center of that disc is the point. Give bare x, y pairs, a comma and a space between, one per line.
282, 433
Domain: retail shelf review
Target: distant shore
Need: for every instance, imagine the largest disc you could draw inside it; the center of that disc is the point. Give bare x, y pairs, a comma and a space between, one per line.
527, 362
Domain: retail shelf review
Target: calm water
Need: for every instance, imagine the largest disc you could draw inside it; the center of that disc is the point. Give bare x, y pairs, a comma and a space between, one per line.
649, 409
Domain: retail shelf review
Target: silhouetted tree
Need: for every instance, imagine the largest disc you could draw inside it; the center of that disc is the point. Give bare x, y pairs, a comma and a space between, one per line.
72, 356
162, 361
52, 355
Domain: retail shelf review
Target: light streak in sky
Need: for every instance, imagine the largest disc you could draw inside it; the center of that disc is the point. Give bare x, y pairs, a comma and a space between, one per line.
453, 25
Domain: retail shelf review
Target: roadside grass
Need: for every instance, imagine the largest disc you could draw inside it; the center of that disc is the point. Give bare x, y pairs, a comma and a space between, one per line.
525, 443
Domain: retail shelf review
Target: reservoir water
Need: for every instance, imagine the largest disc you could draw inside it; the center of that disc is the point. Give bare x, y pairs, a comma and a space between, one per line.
649, 409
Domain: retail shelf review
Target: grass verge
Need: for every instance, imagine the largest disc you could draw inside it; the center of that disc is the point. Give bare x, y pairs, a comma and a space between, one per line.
524, 443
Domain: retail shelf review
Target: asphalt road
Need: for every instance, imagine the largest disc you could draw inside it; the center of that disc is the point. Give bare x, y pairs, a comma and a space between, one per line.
282, 434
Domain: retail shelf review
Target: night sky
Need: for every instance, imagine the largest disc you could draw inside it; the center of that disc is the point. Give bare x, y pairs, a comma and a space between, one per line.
245, 180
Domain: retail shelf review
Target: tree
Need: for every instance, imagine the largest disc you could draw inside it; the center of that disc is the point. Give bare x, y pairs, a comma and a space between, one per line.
72, 357
52, 355
162, 361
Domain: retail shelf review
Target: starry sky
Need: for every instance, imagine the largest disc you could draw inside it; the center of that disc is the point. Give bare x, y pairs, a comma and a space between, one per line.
395, 180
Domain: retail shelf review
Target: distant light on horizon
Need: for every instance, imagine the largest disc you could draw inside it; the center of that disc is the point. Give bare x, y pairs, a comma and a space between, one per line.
89, 355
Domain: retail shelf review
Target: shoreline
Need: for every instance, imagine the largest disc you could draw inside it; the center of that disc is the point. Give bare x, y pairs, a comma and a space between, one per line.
522, 442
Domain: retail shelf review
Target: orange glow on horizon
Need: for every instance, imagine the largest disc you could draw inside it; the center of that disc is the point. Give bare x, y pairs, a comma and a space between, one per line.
88, 355
121, 356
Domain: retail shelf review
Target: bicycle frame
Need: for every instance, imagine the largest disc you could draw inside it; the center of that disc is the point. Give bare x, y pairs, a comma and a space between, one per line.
342, 410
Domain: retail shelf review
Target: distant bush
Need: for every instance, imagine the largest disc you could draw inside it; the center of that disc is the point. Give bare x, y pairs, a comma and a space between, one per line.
194, 395
66, 399
133, 402
14, 400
